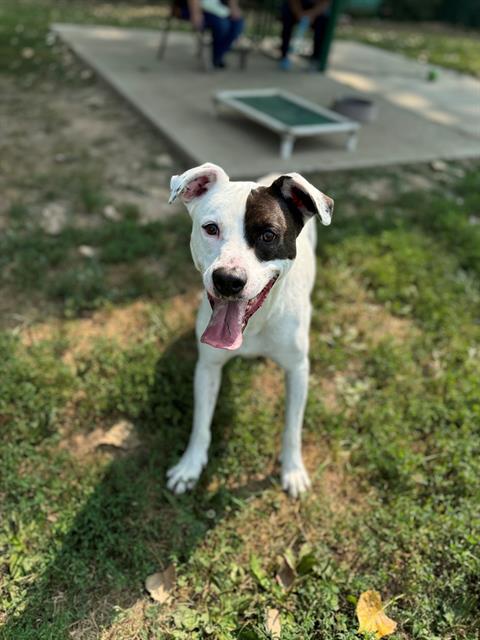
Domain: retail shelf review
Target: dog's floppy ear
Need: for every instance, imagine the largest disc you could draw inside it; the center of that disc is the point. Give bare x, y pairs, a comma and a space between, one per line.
302, 196
195, 182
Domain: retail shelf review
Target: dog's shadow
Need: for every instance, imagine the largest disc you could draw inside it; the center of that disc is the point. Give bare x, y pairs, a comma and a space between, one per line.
131, 525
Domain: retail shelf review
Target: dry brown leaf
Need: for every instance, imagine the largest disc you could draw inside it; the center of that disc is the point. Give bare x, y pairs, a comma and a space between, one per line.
273, 623
160, 585
371, 615
285, 575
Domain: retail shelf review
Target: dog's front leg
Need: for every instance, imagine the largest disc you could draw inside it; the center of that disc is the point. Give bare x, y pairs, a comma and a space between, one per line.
186, 472
295, 478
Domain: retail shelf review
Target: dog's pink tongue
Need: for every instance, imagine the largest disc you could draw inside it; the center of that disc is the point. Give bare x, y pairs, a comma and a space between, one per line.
224, 330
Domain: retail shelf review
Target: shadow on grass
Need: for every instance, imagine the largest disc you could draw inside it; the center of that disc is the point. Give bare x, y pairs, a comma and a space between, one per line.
132, 525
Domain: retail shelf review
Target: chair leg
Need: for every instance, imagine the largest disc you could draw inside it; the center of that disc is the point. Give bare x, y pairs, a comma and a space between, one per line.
242, 59
162, 47
203, 52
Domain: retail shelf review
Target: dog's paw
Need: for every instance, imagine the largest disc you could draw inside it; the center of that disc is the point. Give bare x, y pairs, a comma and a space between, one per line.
295, 481
184, 475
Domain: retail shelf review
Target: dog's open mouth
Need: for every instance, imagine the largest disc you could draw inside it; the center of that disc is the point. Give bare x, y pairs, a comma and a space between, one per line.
230, 317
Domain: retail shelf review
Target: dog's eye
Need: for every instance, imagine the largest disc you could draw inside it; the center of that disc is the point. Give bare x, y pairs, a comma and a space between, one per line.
211, 229
268, 236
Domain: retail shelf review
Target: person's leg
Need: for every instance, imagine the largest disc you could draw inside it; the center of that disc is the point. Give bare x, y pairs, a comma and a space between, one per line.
235, 30
219, 28
288, 22
319, 28
224, 32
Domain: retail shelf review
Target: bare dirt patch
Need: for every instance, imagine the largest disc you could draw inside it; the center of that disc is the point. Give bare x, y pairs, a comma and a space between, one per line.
121, 436
75, 140
122, 324
290, 523
268, 382
181, 310
361, 325
330, 477
365, 320
376, 323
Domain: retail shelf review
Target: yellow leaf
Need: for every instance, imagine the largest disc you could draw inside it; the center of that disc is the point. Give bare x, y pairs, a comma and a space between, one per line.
371, 615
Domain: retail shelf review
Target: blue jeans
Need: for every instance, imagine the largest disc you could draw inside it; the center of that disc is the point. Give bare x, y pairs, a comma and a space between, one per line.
224, 33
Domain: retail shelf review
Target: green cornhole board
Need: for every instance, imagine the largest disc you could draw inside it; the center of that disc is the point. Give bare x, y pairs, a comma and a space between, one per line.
289, 115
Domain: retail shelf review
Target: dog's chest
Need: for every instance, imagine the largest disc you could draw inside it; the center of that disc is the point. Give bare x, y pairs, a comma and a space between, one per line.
254, 346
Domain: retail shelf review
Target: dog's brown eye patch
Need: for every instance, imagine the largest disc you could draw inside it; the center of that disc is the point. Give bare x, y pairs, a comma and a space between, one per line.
271, 227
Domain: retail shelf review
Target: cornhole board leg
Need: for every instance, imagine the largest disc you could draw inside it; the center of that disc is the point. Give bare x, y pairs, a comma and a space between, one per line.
352, 141
286, 146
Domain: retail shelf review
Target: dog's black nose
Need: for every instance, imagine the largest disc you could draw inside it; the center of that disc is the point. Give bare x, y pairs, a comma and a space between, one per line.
229, 282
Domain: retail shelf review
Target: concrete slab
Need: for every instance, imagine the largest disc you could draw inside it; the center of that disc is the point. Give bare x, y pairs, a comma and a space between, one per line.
177, 99
453, 99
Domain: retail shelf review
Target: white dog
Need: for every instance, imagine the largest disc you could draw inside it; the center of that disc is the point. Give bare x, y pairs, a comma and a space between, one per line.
254, 246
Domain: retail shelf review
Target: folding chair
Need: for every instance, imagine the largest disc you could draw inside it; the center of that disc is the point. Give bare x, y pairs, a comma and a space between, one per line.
203, 40
174, 15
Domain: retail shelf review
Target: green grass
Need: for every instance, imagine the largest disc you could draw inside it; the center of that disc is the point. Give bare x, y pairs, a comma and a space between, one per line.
28, 49
448, 48
53, 266
401, 441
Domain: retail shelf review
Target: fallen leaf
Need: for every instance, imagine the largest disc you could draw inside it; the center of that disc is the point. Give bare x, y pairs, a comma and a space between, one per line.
273, 624
286, 574
160, 585
371, 615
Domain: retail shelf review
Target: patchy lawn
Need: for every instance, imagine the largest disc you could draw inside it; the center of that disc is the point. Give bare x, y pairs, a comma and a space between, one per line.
97, 299
432, 44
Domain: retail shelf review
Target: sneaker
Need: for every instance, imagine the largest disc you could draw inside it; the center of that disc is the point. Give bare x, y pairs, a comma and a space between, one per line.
285, 64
